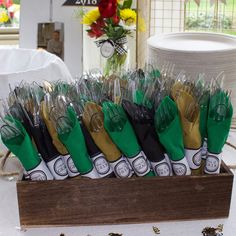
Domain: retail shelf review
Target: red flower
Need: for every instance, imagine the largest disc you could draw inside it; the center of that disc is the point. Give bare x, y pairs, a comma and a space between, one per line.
2, 2
95, 31
116, 19
107, 8
8, 3
100, 22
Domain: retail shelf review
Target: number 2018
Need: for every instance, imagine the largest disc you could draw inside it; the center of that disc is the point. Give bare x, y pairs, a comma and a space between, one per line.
88, 2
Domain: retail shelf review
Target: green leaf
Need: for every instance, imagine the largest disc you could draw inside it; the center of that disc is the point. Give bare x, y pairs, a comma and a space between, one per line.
119, 6
127, 4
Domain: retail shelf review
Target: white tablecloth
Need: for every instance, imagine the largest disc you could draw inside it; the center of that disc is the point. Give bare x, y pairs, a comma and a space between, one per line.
9, 220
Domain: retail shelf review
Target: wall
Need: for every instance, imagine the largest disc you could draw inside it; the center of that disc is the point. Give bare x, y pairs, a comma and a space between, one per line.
38, 11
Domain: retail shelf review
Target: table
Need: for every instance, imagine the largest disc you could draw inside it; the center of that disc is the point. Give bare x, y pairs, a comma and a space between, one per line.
9, 219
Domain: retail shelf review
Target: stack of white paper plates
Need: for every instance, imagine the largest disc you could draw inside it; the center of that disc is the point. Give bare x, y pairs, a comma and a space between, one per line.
209, 53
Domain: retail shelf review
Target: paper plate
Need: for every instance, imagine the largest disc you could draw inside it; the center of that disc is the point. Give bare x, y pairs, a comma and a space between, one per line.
193, 42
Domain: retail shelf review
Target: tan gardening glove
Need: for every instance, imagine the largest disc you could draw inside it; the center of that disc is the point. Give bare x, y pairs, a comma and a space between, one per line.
52, 131
190, 118
93, 120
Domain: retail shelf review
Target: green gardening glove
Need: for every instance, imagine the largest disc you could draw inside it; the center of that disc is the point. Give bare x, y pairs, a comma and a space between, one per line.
121, 132
21, 145
218, 125
74, 141
169, 130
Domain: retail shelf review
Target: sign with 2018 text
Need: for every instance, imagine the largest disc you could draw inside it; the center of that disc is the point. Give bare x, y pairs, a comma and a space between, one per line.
83, 3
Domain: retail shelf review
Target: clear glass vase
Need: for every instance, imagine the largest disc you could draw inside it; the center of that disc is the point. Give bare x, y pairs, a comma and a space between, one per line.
116, 63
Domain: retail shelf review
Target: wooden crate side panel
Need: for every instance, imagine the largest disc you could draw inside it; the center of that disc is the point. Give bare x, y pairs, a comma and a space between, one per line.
115, 201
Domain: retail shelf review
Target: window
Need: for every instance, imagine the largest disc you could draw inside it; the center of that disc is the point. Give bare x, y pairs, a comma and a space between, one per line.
218, 17
182, 15
167, 16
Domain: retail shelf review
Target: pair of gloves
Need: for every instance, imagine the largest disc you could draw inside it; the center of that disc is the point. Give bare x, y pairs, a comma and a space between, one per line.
211, 120
74, 141
122, 134
70, 166
22, 146
49, 153
42, 139
93, 119
142, 120
88, 158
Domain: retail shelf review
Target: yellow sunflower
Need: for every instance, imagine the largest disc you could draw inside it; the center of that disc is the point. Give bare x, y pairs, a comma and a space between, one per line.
3, 16
129, 16
90, 17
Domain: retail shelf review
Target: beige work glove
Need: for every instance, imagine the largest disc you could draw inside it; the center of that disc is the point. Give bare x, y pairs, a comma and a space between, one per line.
94, 121
190, 119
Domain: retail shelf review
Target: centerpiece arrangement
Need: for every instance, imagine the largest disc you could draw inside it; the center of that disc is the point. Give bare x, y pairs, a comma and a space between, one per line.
110, 24
147, 127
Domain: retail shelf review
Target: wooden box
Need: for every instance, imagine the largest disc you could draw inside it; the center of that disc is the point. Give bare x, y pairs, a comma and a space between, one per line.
121, 201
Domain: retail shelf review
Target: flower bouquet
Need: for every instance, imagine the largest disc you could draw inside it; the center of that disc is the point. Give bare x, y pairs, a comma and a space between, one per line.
111, 22
9, 13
